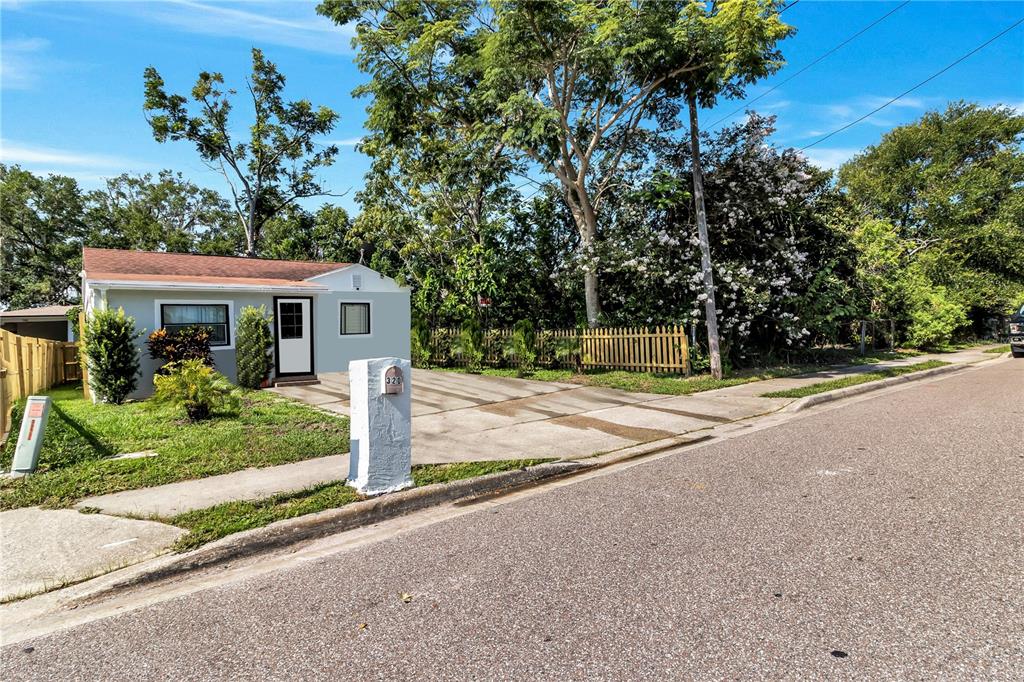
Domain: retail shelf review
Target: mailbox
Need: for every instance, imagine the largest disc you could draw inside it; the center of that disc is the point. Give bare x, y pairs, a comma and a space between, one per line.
30, 439
392, 382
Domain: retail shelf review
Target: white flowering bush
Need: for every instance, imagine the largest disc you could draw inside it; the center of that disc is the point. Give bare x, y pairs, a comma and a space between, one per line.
781, 268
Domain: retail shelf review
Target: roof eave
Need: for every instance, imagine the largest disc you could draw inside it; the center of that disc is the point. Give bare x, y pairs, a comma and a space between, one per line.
198, 286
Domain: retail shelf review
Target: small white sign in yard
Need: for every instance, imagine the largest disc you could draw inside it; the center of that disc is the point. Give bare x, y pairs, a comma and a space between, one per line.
380, 458
30, 439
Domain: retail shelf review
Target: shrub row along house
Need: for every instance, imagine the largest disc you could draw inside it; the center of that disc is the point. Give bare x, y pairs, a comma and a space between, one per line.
325, 314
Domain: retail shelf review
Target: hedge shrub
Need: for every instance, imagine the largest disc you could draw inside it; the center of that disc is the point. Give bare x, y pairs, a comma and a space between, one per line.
111, 354
253, 344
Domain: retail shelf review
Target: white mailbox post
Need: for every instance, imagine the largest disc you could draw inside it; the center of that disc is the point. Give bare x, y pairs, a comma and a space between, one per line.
380, 458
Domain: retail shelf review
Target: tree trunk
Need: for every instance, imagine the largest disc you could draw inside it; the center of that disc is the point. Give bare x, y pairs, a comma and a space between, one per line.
586, 224
711, 311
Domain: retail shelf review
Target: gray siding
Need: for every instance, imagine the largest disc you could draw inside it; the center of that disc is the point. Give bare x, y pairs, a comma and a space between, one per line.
389, 326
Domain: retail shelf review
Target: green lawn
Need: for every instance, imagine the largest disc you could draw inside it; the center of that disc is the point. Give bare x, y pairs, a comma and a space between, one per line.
999, 349
213, 523
646, 382
81, 438
854, 379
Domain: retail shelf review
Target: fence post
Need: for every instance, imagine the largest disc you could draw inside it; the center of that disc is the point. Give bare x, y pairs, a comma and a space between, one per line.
83, 370
3, 401
20, 358
863, 335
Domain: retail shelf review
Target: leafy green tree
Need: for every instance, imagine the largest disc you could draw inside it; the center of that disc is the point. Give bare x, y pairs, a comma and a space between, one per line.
297, 234
254, 343
111, 354
559, 90
951, 189
165, 213
42, 228
270, 171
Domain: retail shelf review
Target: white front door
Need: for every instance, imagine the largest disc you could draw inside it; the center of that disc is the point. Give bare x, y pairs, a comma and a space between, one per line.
294, 322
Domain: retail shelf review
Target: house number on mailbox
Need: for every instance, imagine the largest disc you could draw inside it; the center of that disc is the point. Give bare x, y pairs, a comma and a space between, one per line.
393, 380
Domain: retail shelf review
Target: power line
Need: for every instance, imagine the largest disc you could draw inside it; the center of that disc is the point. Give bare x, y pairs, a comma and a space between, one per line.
926, 80
795, 2
834, 49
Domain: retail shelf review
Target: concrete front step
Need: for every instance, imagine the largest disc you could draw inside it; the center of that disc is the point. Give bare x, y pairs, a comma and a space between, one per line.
304, 380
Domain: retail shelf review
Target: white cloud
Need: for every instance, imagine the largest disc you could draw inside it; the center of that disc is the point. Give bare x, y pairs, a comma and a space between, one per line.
830, 157
21, 62
345, 141
14, 152
292, 24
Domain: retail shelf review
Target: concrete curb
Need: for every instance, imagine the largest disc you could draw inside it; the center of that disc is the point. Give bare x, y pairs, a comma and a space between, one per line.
849, 392
330, 521
289, 532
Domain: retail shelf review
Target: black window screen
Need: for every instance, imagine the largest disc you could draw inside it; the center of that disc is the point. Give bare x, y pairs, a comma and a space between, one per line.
177, 316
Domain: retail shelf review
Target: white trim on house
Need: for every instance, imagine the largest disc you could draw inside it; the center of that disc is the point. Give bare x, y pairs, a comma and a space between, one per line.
199, 286
331, 272
159, 323
337, 326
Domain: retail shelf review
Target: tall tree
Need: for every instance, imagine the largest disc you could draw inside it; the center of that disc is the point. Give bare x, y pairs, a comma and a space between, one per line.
734, 43
42, 227
270, 171
569, 87
297, 234
951, 189
166, 213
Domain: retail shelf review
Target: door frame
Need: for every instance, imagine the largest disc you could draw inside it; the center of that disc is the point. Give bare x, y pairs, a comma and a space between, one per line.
277, 339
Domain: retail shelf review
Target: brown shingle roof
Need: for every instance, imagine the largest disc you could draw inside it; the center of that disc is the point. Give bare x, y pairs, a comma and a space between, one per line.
156, 266
42, 311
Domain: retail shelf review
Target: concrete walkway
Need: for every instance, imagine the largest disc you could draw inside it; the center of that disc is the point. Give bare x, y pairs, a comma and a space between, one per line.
41, 549
465, 417
172, 499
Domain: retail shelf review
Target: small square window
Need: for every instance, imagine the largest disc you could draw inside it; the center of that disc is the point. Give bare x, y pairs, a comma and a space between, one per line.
355, 318
290, 320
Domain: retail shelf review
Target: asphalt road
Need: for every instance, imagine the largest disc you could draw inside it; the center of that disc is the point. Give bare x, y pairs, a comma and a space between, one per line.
881, 540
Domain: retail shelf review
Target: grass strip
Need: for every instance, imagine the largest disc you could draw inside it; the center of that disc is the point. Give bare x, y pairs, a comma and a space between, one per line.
671, 384
82, 438
213, 523
999, 349
854, 380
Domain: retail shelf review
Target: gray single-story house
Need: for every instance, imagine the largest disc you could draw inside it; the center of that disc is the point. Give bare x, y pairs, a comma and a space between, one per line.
325, 314
46, 322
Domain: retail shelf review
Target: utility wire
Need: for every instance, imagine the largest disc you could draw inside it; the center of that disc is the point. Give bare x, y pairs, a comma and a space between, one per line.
795, 2
833, 50
926, 80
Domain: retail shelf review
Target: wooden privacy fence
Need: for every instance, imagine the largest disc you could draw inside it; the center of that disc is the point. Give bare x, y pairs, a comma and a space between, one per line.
662, 349
29, 365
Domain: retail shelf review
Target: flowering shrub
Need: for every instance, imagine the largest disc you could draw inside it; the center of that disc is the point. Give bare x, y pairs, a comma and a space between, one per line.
190, 343
770, 243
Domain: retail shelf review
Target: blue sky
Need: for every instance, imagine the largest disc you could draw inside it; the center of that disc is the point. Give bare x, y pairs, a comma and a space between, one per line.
71, 79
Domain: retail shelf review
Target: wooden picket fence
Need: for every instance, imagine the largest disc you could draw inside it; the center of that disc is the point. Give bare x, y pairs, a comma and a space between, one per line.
29, 365
662, 349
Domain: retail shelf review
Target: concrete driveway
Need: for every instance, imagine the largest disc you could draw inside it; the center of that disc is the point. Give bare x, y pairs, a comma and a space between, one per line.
467, 417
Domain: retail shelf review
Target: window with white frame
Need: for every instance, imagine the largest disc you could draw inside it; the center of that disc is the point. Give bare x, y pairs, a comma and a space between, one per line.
177, 316
355, 318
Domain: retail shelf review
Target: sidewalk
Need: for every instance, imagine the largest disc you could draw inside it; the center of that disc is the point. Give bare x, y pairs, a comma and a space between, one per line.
43, 548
